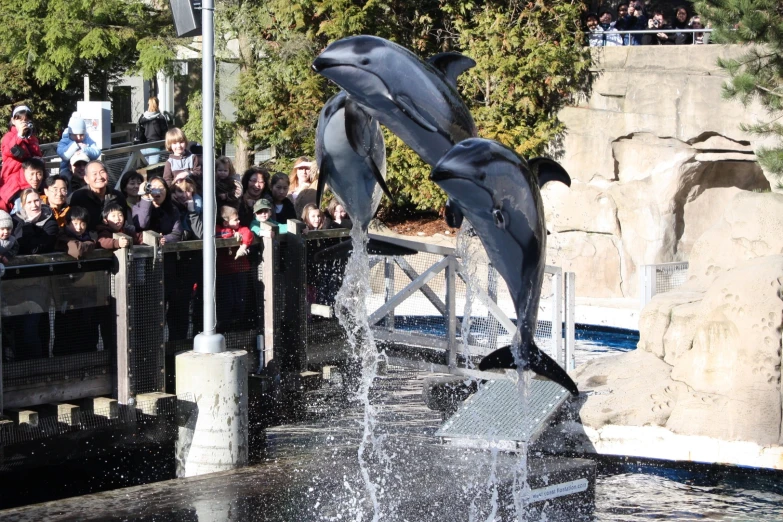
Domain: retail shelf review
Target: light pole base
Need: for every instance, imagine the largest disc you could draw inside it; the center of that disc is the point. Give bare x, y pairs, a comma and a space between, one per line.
209, 343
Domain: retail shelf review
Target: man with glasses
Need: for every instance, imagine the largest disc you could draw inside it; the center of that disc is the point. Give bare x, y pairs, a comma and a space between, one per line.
56, 195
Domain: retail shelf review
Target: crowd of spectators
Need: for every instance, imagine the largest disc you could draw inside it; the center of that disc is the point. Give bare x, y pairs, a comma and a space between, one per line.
76, 211
607, 29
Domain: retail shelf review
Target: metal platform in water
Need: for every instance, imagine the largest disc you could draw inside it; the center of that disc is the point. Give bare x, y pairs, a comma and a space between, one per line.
496, 414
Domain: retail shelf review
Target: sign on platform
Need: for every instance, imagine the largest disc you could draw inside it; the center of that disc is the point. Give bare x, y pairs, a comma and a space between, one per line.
558, 490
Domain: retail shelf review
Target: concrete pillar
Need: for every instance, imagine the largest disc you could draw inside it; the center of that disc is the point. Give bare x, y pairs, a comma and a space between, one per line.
214, 435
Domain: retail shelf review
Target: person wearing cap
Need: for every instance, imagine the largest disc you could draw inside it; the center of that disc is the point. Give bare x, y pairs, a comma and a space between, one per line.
263, 212
18, 144
8, 245
75, 139
75, 177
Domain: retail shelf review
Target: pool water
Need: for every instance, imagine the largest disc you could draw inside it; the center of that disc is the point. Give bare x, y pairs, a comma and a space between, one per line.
307, 471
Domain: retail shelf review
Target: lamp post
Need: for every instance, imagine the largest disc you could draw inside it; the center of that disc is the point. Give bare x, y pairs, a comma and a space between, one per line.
208, 341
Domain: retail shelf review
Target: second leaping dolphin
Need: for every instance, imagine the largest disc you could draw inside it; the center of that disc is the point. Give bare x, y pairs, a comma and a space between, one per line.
498, 192
417, 100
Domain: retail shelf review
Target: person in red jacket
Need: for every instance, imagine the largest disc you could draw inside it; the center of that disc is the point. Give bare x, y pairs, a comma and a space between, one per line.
18, 144
233, 268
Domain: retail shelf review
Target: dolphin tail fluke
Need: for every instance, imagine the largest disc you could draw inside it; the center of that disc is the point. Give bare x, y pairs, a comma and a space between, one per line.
500, 358
540, 364
375, 247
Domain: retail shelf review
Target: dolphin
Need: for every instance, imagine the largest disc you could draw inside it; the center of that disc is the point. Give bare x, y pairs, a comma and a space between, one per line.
418, 101
498, 192
351, 157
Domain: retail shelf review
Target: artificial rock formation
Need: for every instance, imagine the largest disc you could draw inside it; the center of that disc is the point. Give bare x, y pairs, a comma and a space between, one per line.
655, 155
708, 361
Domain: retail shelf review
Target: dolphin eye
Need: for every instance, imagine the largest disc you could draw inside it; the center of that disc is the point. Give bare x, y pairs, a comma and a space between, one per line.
364, 61
500, 221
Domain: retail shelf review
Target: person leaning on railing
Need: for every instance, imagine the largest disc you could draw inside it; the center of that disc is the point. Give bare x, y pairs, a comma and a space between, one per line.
681, 22
185, 196
633, 18
34, 225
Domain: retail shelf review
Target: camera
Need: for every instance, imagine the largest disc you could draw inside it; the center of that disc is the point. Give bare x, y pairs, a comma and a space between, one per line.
149, 190
28, 129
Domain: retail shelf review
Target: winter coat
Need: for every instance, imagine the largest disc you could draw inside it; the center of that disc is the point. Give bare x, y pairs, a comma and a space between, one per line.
74, 246
192, 221
187, 162
59, 215
86, 198
153, 127
225, 262
38, 235
8, 248
632, 23
681, 38
15, 150
67, 148
9, 192
106, 239
164, 220
285, 213
605, 36
228, 192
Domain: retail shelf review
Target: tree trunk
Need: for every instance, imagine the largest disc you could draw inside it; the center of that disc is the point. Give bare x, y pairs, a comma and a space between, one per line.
242, 160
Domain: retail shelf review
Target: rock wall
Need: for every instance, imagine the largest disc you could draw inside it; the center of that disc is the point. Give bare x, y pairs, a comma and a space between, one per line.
655, 155
708, 362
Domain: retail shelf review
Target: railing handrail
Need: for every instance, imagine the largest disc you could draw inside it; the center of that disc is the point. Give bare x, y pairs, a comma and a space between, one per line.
647, 31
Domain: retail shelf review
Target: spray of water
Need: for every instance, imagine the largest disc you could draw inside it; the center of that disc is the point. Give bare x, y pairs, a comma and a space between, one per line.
351, 311
467, 267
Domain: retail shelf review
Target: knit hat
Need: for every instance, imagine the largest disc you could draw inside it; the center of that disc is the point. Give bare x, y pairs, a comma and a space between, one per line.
5, 220
262, 204
21, 108
78, 156
76, 124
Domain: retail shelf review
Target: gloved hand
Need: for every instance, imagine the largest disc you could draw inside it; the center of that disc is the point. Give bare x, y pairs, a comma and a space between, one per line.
241, 251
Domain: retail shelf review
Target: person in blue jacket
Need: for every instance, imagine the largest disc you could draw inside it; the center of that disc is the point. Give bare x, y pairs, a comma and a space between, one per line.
75, 139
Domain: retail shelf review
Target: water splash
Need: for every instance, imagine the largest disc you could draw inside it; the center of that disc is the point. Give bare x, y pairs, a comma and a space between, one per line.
466, 251
351, 311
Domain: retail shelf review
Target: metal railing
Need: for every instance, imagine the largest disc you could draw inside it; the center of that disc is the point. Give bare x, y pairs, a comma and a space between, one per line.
615, 32
109, 325
660, 278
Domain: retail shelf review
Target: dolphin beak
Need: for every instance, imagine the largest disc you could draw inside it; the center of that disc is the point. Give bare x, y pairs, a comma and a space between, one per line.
321, 63
441, 175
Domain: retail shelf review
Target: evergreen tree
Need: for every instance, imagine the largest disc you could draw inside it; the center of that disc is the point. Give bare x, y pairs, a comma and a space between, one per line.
48, 46
758, 73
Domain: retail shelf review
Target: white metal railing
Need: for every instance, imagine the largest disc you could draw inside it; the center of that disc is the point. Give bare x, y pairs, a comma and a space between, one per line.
438, 284
660, 278
616, 32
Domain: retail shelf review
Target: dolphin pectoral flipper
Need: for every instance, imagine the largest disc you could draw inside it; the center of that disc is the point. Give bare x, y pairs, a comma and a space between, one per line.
323, 173
545, 366
359, 131
451, 65
406, 106
549, 170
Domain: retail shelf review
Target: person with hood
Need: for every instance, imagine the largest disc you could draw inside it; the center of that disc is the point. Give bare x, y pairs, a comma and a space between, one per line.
19, 144
75, 139
152, 126
35, 228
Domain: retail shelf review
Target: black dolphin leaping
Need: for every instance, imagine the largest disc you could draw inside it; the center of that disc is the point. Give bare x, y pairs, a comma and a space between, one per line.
499, 194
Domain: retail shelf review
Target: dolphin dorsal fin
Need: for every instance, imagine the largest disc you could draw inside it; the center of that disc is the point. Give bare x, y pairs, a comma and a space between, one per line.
549, 170
451, 65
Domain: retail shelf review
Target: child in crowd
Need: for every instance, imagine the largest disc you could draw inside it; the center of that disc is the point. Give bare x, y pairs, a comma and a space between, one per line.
8, 245
233, 270
228, 189
114, 223
74, 239
339, 217
76, 139
18, 144
263, 212
313, 217
283, 208
129, 185
181, 161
